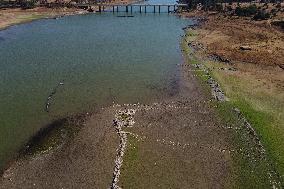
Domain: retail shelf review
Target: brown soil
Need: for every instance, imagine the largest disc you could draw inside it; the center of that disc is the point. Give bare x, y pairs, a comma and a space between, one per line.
223, 36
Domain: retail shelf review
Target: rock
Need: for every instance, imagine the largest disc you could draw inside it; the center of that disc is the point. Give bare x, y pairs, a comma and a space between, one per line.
238, 112
219, 58
281, 66
232, 69
245, 48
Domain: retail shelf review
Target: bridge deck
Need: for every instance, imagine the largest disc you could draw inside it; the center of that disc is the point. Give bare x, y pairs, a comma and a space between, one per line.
123, 5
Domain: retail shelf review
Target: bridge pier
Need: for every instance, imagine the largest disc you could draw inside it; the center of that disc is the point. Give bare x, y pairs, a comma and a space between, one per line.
126, 8
159, 8
116, 8
140, 9
145, 8
154, 9
131, 9
103, 8
100, 9
112, 8
168, 9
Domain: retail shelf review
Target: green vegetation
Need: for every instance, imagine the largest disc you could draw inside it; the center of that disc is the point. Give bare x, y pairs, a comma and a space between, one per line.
263, 109
261, 15
252, 10
265, 113
246, 11
28, 4
131, 163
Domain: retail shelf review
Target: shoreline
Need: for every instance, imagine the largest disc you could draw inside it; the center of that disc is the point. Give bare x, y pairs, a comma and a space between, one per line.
17, 16
251, 79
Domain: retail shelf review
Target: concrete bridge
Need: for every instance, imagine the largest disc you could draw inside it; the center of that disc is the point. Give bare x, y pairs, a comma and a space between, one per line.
154, 8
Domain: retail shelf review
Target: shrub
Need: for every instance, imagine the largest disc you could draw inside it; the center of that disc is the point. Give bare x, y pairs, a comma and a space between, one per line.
219, 7
246, 11
28, 4
229, 8
261, 15
278, 5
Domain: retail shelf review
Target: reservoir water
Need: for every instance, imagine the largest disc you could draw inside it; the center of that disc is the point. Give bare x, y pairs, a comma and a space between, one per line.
98, 59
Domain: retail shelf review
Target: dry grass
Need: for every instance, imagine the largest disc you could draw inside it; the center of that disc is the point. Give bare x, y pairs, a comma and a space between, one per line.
257, 91
256, 88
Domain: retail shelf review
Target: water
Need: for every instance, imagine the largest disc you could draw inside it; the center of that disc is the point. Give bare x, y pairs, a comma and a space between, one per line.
101, 58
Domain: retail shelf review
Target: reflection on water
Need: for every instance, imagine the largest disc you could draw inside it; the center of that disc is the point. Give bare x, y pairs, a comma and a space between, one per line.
100, 57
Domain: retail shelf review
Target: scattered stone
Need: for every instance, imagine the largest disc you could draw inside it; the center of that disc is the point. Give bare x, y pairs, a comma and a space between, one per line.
217, 93
218, 58
233, 69
238, 112
123, 118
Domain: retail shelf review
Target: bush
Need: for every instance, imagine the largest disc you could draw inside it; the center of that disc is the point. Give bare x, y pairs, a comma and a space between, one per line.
246, 11
229, 8
219, 7
261, 15
28, 4
278, 5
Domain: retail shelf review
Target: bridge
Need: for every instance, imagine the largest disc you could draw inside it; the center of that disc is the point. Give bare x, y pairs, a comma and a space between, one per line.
154, 8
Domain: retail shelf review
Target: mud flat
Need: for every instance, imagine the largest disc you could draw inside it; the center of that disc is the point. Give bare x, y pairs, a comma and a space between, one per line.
174, 143
174, 139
